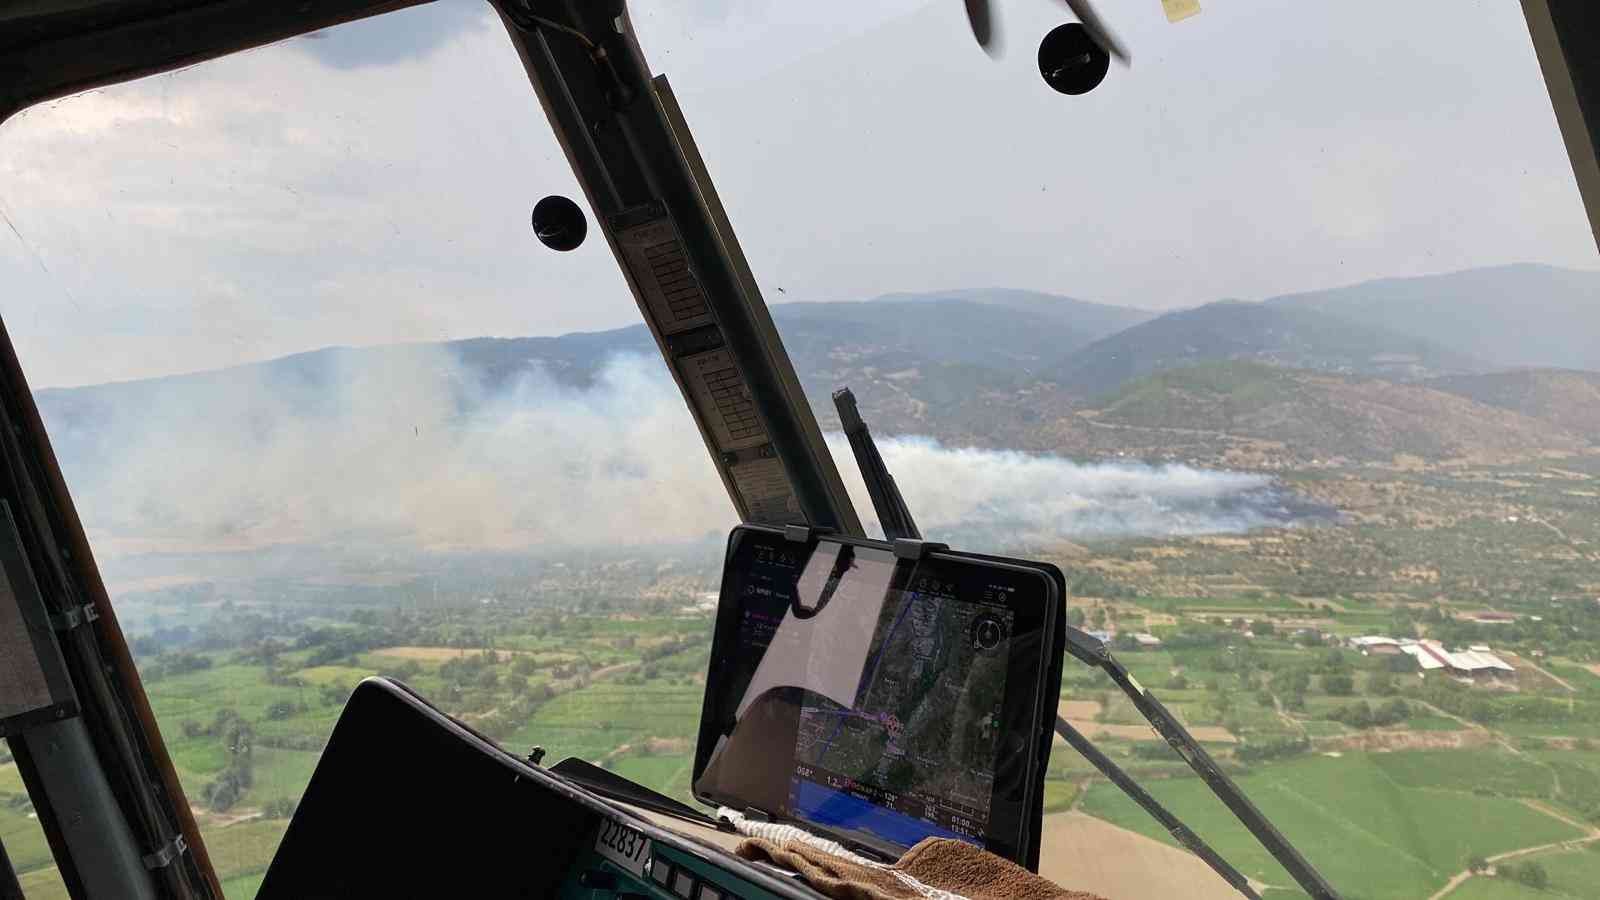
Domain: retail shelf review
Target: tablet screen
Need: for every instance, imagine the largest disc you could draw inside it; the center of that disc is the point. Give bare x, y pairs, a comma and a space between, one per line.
880, 700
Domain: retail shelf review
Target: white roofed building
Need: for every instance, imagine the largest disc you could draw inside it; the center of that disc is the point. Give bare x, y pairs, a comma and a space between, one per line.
1375, 645
1478, 663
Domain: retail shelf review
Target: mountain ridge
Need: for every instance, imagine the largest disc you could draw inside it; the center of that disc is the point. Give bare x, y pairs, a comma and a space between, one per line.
982, 367
1515, 315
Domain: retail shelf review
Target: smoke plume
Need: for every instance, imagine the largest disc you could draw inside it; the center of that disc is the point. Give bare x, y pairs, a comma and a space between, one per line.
410, 449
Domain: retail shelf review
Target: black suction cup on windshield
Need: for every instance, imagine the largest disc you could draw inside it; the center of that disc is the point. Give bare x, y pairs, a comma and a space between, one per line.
559, 223
1071, 61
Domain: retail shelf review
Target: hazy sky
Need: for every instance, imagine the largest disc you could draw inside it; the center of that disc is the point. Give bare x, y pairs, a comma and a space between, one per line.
373, 184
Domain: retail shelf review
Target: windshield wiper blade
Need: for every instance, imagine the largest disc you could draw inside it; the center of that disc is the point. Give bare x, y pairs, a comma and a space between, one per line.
894, 517
1180, 832
1094, 652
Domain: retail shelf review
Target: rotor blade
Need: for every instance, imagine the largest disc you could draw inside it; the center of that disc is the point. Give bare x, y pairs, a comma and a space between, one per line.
982, 21
1097, 30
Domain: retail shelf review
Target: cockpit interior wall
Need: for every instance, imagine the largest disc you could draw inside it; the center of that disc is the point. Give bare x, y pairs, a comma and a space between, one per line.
1566, 34
52, 48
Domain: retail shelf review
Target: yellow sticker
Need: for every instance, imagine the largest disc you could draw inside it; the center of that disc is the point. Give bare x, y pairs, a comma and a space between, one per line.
1178, 10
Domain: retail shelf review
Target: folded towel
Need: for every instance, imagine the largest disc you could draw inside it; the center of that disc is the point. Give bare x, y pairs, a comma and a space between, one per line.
935, 869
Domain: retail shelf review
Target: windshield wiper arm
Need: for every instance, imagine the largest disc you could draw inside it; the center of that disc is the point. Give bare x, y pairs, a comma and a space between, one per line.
1180, 832
1093, 652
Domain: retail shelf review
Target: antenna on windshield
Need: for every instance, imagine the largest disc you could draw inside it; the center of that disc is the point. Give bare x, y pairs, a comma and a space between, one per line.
895, 517
893, 514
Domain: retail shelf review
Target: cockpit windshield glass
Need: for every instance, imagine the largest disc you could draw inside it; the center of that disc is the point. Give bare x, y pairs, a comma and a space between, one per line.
1279, 342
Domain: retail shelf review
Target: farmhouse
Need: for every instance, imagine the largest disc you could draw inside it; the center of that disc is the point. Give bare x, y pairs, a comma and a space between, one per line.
1489, 617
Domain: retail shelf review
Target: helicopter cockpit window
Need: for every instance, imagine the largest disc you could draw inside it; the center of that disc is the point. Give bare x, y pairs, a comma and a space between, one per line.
1276, 336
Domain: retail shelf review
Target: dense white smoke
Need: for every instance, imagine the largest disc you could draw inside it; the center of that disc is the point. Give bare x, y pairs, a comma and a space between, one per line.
409, 450
1001, 499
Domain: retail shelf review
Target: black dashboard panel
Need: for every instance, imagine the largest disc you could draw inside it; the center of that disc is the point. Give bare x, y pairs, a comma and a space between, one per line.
406, 802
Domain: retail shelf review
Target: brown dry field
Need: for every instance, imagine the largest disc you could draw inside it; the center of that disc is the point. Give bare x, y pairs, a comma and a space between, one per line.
1209, 733
1083, 853
1081, 714
1076, 710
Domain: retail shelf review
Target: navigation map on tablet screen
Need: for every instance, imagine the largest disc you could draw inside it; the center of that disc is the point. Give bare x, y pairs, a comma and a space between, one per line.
914, 755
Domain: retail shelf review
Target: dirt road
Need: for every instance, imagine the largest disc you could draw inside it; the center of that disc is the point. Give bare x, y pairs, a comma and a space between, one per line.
1593, 835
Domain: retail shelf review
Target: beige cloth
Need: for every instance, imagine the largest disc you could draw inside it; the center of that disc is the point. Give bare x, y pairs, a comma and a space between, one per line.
935, 868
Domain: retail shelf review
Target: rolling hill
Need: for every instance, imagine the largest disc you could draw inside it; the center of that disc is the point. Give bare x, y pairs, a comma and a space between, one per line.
1521, 315
1092, 320
1563, 397
986, 368
1318, 416
1229, 330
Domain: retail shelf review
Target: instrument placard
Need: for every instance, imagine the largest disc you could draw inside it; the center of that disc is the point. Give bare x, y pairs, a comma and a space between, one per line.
623, 846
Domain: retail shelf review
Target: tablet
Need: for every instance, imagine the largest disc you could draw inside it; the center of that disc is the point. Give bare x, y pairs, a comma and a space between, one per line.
879, 700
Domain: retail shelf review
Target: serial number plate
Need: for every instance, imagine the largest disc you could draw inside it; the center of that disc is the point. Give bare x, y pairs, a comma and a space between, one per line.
623, 846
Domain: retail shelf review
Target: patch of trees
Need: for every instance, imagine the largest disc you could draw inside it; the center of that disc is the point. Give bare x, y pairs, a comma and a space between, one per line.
174, 664
1093, 584
1382, 684
668, 648
1360, 714
161, 639
283, 709
1291, 685
1339, 684
238, 743
1254, 751
1485, 708
1529, 873
281, 808
311, 742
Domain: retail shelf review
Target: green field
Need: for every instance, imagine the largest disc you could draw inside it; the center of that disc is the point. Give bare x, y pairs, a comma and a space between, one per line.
43, 884
1484, 888
21, 834
279, 774
592, 723
1388, 809
1490, 770
1059, 795
1370, 834
1573, 874
244, 851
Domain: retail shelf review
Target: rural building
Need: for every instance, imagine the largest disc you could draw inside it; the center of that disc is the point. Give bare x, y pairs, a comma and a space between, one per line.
1376, 645
1146, 640
1471, 664
1488, 617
